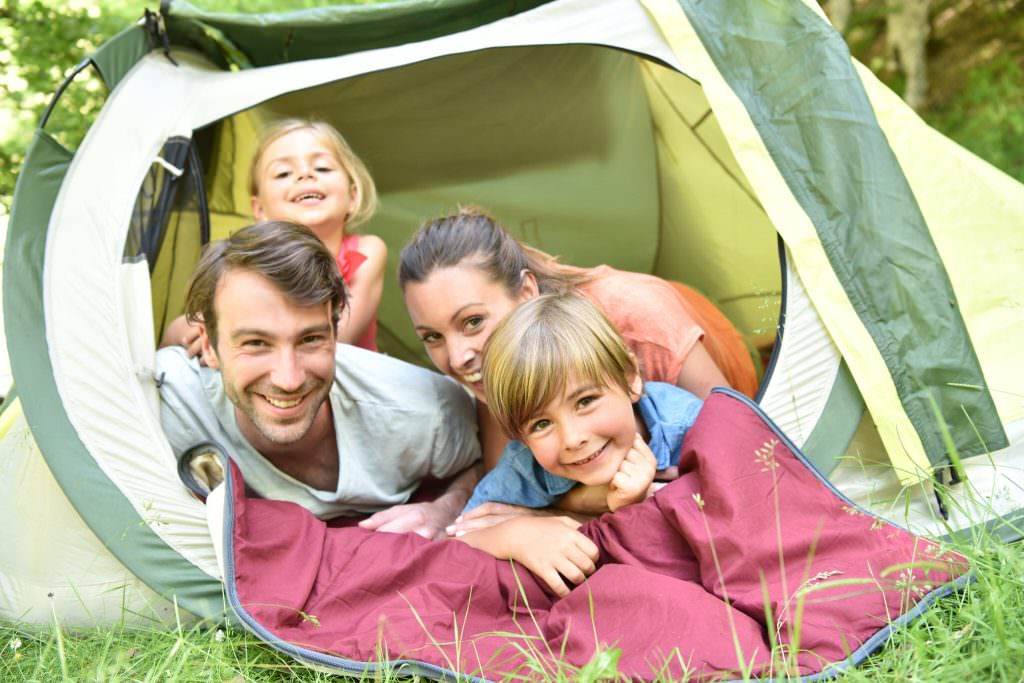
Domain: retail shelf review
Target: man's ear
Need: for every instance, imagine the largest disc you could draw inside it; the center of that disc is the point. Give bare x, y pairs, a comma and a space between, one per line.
257, 208
528, 288
207, 352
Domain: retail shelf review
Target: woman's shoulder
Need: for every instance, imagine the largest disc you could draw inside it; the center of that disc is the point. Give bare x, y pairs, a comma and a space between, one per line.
618, 291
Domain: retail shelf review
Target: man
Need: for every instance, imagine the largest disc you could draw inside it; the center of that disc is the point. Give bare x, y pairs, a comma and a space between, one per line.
334, 428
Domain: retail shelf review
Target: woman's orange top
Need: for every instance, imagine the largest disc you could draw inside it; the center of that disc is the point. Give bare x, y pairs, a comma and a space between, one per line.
662, 320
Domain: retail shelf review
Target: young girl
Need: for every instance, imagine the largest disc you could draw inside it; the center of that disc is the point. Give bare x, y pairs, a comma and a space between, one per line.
305, 172
559, 378
461, 274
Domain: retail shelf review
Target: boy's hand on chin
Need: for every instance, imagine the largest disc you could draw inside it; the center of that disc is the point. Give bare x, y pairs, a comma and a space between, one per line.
632, 483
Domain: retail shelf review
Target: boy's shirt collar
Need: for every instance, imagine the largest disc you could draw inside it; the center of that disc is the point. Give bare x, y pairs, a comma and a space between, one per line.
668, 412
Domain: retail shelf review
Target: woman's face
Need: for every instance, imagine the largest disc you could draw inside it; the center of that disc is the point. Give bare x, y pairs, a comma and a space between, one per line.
455, 310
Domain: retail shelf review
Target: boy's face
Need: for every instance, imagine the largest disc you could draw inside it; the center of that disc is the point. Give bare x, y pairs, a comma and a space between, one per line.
586, 432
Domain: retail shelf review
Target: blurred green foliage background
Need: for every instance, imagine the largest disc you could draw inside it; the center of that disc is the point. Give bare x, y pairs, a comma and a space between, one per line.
975, 55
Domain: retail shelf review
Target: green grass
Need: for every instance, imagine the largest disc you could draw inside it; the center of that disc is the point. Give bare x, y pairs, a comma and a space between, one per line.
975, 635
199, 654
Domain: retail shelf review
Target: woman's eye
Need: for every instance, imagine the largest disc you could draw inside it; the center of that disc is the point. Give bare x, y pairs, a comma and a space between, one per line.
430, 338
324, 169
474, 322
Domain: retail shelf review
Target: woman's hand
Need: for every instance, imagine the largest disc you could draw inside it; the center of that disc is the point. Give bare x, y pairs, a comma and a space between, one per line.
491, 514
632, 483
550, 547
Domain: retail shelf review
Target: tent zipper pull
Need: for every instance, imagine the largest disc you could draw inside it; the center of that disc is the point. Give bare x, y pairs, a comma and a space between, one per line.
168, 166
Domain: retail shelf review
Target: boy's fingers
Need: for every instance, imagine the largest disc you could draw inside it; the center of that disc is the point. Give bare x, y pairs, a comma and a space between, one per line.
620, 480
584, 562
570, 522
555, 582
588, 547
568, 569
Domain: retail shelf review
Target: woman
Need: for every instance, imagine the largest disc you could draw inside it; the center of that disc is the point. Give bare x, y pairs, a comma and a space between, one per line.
462, 274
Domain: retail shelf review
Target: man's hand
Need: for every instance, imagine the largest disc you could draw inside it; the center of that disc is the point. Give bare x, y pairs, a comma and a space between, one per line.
632, 483
427, 519
550, 547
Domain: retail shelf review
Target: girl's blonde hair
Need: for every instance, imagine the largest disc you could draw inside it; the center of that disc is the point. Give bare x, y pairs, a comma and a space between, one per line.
364, 204
543, 343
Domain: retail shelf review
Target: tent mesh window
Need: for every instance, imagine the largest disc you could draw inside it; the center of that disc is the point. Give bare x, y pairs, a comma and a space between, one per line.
169, 225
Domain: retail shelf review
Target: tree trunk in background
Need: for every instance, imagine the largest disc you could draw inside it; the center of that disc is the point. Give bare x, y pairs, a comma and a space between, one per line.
838, 12
907, 30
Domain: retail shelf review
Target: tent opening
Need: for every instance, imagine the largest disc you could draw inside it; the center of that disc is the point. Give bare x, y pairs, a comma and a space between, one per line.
592, 153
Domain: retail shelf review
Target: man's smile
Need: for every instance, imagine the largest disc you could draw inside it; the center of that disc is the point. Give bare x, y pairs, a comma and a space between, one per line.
283, 403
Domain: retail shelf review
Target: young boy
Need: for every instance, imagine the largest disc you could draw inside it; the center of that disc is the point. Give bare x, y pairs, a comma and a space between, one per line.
559, 378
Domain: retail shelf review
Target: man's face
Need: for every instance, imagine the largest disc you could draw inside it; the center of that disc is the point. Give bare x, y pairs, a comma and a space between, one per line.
276, 358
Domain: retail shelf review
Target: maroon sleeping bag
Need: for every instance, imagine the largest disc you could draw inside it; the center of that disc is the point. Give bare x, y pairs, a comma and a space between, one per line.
680, 586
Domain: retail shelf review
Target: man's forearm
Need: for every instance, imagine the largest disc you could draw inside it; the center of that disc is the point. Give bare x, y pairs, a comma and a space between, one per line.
460, 489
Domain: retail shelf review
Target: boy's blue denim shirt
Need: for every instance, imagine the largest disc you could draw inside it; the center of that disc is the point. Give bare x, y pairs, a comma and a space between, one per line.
667, 411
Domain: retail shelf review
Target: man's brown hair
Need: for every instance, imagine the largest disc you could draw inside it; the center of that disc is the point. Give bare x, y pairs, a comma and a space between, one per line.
287, 254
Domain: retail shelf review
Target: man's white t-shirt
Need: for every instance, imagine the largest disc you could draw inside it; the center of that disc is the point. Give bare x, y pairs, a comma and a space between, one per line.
395, 424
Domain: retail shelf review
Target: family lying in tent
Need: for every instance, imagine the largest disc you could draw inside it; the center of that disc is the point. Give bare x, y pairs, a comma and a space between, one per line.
654, 516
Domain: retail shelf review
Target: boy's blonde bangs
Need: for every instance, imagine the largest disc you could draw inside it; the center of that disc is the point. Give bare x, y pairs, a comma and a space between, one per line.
541, 346
365, 203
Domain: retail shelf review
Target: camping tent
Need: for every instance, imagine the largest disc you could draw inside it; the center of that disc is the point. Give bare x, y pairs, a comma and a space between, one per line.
686, 139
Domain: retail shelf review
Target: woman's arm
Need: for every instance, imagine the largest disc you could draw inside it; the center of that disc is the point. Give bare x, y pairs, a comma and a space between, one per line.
492, 438
699, 374
364, 290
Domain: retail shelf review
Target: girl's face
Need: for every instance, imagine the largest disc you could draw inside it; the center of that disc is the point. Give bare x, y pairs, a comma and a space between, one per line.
455, 310
585, 433
301, 180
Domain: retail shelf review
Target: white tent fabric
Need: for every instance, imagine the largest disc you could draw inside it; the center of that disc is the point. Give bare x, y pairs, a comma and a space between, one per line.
65, 573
